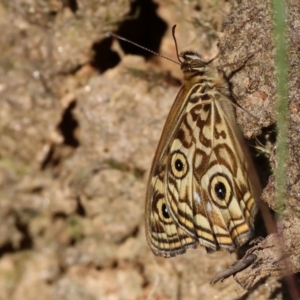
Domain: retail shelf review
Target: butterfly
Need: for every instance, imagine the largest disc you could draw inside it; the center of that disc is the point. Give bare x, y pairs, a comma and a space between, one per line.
203, 187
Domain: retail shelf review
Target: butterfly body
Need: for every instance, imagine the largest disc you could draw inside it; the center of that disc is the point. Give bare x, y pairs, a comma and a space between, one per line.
202, 187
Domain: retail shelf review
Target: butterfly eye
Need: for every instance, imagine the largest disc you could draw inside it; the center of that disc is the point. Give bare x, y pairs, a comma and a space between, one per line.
220, 190
179, 165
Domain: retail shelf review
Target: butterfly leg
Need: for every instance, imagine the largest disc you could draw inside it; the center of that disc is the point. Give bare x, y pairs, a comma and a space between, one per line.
235, 268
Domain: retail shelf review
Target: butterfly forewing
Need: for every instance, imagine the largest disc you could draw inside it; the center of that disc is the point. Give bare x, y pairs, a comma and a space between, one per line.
199, 190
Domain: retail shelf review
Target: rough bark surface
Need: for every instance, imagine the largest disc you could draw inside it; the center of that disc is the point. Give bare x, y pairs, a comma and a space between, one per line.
81, 115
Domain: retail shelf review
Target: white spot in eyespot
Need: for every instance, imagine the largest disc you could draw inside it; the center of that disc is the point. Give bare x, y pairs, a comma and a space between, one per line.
197, 198
36, 74
208, 207
87, 88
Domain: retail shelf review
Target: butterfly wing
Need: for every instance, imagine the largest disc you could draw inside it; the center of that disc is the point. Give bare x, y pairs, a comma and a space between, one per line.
200, 191
208, 191
202, 183
165, 237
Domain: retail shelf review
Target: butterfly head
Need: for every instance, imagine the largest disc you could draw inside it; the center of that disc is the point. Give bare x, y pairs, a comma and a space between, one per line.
195, 69
192, 61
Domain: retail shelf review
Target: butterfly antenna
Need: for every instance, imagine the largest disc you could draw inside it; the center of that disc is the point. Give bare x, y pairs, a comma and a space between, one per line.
137, 45
175, 42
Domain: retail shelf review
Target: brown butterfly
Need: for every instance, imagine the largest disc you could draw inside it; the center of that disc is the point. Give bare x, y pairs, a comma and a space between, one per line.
203, 187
